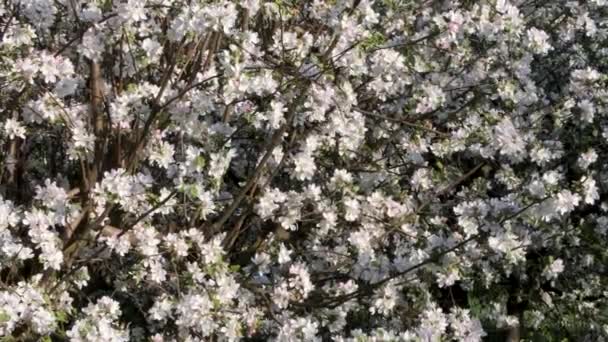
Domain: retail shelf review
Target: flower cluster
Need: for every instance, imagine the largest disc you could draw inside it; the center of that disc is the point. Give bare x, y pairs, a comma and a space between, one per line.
350, 170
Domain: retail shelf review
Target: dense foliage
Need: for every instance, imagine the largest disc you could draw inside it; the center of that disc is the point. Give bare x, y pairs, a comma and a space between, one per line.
291, 170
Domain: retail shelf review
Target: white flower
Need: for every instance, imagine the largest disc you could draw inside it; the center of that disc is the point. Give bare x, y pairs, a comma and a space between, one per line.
538, 41
341, 177
433, 323
251, 5
153, 48
161, 309
396, 209
13, 128
26, 68
465, 328
43, 321
53, 67
448, 278
301, 281
99, 324
177, 244
587, 110
537, 189
132, 10
227, 288
276, 116
66, 86
509, 140
361, 240
587, 158
120, 245
193, 311
8, 214
218, 17
269, 202
82, 139
92, 45
16, 36
232, 330
590, 190
41, 13
432, 99
351, 207
304, 166
220, 162
552, 177
162, 155
386, 301
554, 269
91, 13
421, 179
566, 201
207, 206
284, 254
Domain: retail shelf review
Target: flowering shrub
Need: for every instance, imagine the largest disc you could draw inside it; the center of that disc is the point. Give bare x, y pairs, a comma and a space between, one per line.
348, 170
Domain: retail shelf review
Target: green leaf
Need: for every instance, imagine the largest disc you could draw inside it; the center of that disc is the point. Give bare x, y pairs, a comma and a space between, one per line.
200, 161
61, 316
474, 304
375, 40
216, 302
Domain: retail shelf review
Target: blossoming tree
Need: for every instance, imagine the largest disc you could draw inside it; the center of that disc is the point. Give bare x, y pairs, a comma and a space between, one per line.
289, 170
